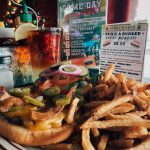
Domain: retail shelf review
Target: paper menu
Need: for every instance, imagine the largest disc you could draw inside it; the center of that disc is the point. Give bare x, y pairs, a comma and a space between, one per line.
124, 45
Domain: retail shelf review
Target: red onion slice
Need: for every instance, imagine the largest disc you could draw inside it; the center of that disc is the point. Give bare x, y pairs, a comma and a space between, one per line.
70, 69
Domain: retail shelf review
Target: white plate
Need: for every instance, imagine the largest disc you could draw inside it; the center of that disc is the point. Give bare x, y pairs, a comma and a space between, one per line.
9, 145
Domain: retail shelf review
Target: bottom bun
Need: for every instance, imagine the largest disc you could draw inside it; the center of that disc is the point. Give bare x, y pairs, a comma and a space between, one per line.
26, 137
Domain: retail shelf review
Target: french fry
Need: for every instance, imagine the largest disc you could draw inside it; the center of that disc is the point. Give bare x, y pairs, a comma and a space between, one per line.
133, 116
116, 123
125, 116
94, 104
115, 117
118, 91
130, 83
143, 102
86, 89
95, 132
106, 92
108, 73
113, 80
140, 103
86, 143
147, 92
123, 108
59, 146
141, 87
145, 145
100, 110
121, 77
135, 132
103, 142
122, 143
125, 89
139, 113
143, 96
71, 111
101, 87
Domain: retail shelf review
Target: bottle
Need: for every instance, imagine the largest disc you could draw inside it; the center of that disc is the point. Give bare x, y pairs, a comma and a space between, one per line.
6, 73
22, 68
25, 26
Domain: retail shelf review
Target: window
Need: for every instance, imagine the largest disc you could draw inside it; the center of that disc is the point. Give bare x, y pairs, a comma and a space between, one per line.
140, 10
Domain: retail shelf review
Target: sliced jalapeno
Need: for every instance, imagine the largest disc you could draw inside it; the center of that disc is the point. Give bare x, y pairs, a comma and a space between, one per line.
33, 101
61, 100
15, 108
52, 91
20, 92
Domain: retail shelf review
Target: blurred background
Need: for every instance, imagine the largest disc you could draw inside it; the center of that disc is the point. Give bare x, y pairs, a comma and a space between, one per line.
47, 9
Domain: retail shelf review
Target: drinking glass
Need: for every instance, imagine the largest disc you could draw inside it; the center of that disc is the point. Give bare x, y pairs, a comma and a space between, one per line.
44, 45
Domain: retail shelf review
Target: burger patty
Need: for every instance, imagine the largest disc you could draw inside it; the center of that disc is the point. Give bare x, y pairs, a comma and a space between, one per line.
14, 121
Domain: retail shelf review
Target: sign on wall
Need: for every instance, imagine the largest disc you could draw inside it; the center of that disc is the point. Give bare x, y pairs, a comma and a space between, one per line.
82, 22
124, 45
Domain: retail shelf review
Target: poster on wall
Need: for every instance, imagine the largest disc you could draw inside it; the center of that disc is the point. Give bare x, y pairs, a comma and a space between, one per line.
82, 22
124, 45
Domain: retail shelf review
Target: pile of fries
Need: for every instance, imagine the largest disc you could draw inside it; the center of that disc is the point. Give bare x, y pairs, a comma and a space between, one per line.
117, 118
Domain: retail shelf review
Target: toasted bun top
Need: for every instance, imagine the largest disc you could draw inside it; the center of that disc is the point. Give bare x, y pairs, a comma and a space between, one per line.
24, 136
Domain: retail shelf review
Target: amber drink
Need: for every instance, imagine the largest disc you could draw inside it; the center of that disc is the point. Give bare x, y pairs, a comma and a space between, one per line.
44, 45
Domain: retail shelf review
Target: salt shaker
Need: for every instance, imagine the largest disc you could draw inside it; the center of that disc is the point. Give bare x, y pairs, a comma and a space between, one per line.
6, 73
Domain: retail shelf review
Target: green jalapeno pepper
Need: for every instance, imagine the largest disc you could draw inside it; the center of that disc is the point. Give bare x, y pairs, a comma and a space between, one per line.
15, 108
20, 92
61, 100
52, 91
64, 99
33, 101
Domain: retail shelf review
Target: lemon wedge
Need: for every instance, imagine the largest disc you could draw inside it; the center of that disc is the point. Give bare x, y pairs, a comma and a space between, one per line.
2, 24
22, 31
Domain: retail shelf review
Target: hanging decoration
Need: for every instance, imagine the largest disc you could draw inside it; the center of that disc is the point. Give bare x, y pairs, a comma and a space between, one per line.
41, 20
13, 12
